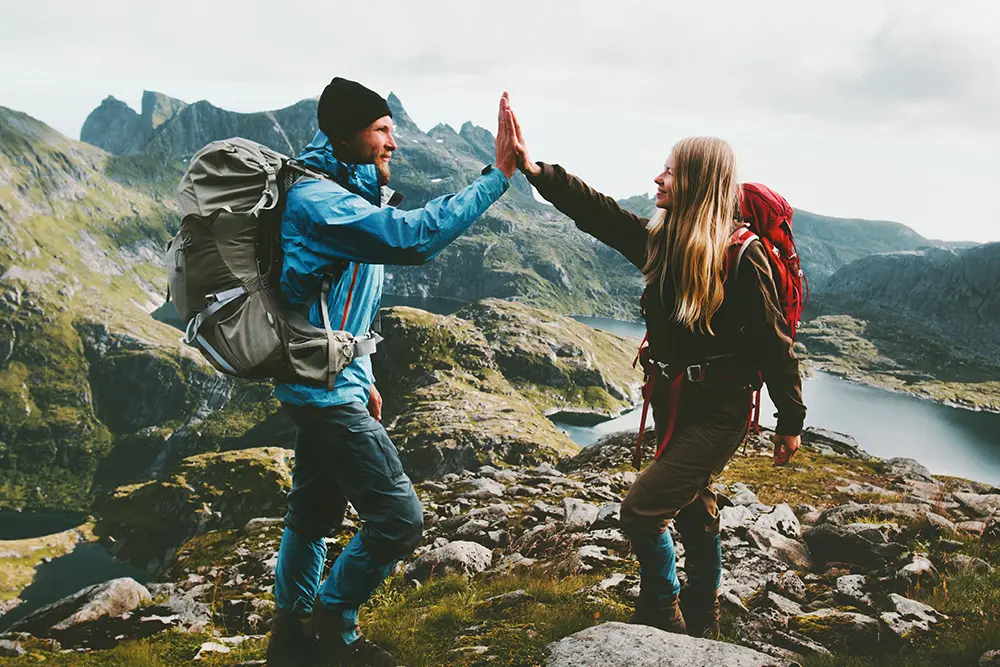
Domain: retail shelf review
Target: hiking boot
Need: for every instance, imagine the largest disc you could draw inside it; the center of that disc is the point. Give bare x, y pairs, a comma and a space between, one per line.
335, 652
661, 614
292, 642
702, 616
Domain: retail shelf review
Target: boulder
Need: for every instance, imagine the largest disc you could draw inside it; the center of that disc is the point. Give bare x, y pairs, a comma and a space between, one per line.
908, 469
980, 504
852, 587
736, 517
776, 545
990, 659
782, 520
11, 648
844, 544
623, 645
962, 564
831, 442
91, 617
840, 631
460, 557
789, 585
895, 512
910, 617
579, 515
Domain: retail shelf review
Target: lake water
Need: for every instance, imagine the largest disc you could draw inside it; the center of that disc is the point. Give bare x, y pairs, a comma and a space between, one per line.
949, 441
87, 564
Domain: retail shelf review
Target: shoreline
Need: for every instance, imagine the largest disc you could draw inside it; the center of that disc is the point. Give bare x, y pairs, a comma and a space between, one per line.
875, 381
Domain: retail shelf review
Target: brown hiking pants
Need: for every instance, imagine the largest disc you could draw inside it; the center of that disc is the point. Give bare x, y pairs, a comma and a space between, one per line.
711, 425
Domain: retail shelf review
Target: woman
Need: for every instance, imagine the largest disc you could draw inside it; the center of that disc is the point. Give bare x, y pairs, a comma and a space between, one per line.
712, 325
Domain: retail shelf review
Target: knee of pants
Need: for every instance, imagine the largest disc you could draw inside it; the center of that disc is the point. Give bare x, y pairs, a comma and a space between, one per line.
636, 525
396, 537
315, 522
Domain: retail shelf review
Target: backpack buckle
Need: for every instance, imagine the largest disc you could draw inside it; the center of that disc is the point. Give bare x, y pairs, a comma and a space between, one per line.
696, 373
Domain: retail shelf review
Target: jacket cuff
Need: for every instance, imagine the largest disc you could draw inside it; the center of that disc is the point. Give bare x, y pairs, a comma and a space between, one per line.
543, 177
496, 181
789, 426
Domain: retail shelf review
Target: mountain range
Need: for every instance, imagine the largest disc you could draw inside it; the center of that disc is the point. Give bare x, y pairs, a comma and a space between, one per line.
91, 386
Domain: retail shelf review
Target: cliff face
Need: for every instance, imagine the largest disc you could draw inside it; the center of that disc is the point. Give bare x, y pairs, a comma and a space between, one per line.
954, 294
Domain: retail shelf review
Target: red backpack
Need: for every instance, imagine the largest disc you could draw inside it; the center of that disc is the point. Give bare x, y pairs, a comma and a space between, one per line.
767, 217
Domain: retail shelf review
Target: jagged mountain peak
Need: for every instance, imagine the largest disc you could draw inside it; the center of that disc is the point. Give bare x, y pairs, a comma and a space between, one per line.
401, 119
158, 108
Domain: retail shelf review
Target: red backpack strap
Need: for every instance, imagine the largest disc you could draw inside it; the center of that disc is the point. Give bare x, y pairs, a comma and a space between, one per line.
739, 242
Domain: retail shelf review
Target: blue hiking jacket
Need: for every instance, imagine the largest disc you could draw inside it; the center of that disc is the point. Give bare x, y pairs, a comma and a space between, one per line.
327, 222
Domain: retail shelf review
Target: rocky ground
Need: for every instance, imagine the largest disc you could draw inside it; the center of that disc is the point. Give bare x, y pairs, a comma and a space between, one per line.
840, 558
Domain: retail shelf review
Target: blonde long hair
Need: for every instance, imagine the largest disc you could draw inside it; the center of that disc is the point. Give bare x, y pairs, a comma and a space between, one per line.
689, 241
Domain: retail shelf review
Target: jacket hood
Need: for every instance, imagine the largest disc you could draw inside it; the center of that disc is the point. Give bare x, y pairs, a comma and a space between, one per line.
359, 178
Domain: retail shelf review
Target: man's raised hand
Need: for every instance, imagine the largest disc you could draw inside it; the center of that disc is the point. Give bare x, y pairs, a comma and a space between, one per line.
506, 139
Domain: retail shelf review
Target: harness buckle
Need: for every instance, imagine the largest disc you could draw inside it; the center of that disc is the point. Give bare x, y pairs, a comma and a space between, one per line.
696, 373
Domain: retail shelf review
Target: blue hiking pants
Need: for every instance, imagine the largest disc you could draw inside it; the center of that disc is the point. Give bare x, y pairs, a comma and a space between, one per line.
343, 455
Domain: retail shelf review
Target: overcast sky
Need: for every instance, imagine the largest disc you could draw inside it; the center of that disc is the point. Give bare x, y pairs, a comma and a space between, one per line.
858, 108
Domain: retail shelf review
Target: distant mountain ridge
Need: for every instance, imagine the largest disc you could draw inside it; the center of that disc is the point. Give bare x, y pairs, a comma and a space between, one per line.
956, 294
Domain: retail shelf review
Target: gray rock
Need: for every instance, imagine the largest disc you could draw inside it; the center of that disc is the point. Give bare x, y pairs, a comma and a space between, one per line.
507, 600
907, 469
850, 513
919, 570
782, 604
773, 543
742, 495
610, 538
972, 527
852, 587
260, 523
90, 617
980, 504
608, 515
474, 530
459, 557
910, 617
961, 564
544, 510
10, 648
735, 517
579, 515
940, 526
990, 659
840, 631
548, 470
789, 585
623, 645
594, 558
840, 443
746, 569
482, 487
782, 520
840, 544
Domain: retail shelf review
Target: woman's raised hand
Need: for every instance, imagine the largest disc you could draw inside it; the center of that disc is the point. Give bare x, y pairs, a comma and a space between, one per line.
524, 162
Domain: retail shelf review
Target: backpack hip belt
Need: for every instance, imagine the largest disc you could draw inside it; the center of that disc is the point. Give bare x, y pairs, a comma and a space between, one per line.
713, 371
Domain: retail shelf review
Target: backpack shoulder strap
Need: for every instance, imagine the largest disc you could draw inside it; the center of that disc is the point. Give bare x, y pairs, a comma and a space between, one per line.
738, 245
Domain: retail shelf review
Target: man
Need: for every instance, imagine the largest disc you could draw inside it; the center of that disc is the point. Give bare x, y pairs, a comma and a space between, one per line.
342, 453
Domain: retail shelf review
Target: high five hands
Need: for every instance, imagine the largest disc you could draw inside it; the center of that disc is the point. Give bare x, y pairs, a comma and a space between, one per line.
509, 134
506, 139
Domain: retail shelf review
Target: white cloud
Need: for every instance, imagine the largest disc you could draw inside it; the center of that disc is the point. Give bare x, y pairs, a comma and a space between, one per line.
870, 109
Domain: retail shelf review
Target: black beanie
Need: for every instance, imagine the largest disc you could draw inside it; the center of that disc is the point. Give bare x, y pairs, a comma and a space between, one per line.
346, 107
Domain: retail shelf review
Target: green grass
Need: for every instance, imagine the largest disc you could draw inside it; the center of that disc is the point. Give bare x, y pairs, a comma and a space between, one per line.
424, 626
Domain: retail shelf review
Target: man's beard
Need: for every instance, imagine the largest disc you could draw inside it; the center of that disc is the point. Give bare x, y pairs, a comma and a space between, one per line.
383, 172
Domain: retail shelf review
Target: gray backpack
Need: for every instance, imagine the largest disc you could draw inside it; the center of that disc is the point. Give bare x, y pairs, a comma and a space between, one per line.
224, 265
